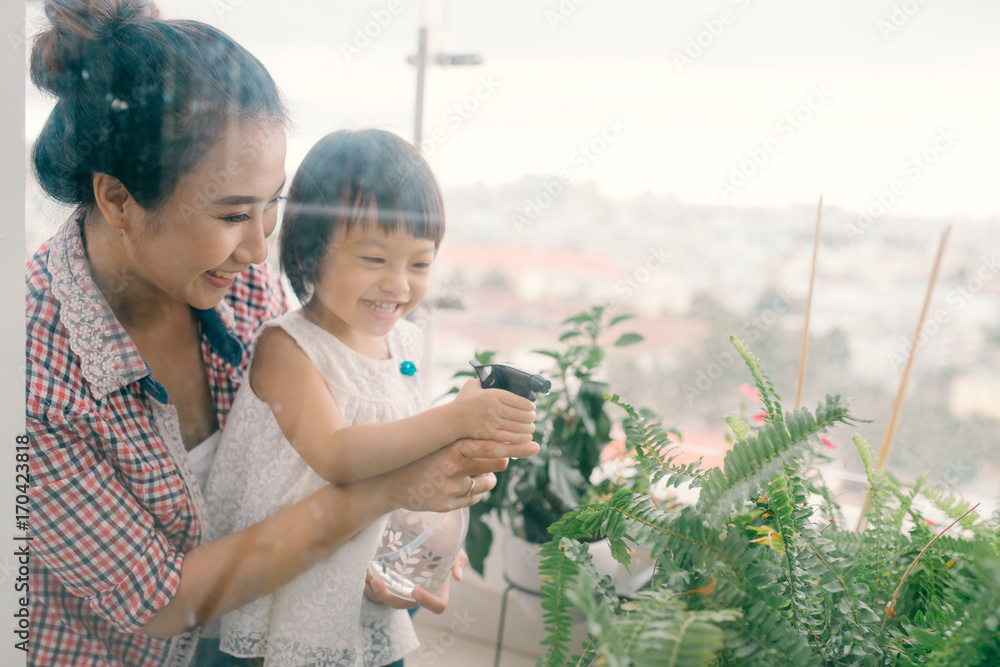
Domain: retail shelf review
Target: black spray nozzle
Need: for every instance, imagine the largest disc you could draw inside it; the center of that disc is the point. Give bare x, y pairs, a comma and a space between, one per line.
511, 378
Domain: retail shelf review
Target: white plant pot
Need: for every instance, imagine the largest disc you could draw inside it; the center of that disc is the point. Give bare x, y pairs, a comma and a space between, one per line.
521, 561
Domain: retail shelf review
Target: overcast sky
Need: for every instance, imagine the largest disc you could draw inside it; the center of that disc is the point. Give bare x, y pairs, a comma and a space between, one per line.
742, 102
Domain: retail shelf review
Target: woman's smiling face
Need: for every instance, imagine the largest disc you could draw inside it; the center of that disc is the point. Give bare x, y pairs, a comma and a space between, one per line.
215, 223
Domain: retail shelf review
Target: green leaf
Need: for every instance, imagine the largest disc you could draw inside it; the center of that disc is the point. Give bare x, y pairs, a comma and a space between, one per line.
739, 427
630, 338
565, 482
620, 318
929, 639
477, 544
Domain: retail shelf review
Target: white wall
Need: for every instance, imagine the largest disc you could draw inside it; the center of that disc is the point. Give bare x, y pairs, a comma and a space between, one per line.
12, 58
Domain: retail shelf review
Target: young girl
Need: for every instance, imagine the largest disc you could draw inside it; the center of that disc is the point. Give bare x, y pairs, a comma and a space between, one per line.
333, 394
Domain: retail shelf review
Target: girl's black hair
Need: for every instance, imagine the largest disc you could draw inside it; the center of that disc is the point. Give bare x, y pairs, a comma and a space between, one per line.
355, 177
138, 98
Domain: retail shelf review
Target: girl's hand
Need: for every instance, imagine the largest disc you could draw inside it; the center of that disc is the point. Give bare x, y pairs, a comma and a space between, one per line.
376, 590
494, 414
438, 603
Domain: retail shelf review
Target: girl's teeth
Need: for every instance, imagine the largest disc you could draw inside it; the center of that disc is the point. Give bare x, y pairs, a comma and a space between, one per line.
225, 275
383, 307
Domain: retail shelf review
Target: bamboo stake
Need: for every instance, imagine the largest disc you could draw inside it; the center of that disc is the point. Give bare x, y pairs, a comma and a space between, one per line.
809, 299
897, 408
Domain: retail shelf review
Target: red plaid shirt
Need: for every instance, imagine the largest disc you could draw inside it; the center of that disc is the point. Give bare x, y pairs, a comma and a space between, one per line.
114, 503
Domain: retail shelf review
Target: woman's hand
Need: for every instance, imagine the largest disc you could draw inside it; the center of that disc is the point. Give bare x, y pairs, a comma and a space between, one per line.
454, 476
377, 591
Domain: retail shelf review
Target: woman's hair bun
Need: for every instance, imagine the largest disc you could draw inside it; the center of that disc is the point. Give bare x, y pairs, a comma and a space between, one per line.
77, 27
139, 98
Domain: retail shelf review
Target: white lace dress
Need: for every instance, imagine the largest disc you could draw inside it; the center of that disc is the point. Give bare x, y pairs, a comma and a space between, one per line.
321, 618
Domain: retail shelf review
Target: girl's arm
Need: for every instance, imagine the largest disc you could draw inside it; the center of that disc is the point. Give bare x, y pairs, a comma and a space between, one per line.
228, 573
283, 377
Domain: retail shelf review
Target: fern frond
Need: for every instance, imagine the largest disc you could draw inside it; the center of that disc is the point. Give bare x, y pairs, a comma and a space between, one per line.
848, 597
756, 460
765, 387
558, 574
766, 638
655, 453
972, 638
878, 481
675, 637
739, 427
655, 629
906, 504
953, 507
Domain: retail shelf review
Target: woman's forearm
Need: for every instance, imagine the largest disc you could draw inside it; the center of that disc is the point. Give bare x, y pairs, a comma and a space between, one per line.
230, 572
235, 570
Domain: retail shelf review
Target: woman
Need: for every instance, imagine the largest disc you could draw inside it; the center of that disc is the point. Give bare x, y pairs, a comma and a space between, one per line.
169, 139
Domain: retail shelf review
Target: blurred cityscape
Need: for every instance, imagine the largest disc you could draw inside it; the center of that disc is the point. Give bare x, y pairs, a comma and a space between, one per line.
518, 259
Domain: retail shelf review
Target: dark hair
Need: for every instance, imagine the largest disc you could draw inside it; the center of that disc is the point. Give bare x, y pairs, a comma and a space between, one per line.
139, 98
355, 177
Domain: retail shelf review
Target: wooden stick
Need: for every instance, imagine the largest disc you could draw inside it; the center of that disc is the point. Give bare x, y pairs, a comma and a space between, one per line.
897, 408
890, 609
809, 299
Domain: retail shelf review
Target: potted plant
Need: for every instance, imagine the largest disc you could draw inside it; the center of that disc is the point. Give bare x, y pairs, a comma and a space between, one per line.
760, 571
572, 428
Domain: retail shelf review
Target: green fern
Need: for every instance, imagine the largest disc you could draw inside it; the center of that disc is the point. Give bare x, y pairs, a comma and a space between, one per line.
755, 460
765, 387
971, 636
757, 574
740, 428
953, 507
906, 503
558, 574
654, 453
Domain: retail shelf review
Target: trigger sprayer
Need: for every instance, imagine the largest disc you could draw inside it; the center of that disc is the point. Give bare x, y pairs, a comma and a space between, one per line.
511, 378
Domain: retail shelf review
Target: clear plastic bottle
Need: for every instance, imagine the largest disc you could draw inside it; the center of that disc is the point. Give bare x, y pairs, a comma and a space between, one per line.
418, 549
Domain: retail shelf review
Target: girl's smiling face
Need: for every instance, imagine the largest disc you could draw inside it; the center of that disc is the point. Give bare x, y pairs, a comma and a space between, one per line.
368, 281
214, 225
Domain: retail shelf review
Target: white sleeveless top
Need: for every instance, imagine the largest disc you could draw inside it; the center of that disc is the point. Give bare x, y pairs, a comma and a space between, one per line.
322, 617
201, 456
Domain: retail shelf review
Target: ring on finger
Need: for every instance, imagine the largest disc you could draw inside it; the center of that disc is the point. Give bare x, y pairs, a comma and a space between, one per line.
472, 487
